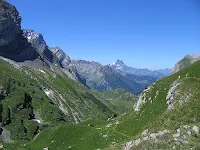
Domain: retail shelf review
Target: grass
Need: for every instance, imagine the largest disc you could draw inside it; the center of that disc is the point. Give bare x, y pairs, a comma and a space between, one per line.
25, 98
155, 116
98, 132
118, 100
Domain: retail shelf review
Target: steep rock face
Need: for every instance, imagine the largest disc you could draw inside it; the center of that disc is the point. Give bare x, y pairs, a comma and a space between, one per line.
92, 73
185, 62
37, 40
10, 24
64, 61
29, 47
55, 55
12, 43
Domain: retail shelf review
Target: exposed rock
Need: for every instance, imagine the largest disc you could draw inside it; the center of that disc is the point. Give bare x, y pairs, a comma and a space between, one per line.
178, 134
145, 136
186, 127
140, 102
64, 61
143, 98
117, 123
196, 130
145, 133
137, 142
38, 118
12, 43
1, 146
54, 55
103, 78
189, 133
49, 92
46, 148
37, 40
91, 71
105, 136
32, 36
13, 63
172, 94
109, 125
5, 136
185, 97
185, 62
10, 24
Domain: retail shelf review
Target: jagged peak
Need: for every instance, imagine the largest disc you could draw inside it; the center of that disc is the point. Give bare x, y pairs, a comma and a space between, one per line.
31, 35
119, 62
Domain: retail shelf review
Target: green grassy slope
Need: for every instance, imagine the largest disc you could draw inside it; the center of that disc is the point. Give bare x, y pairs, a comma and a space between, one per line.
98, 133
41, 103
23, 101
119, 100
155, 116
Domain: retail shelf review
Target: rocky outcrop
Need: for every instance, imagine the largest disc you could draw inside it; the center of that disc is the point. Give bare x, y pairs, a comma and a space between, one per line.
145, 136
175, 138
143, 99
29, 47
12, 43
56, 56
185, 62
61, 58
10, 24
172, 94
37, 40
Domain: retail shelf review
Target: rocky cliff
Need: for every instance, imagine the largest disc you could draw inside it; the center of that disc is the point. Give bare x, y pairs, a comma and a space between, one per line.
63, 60
185, 62
37, 40
12, 42
10, 26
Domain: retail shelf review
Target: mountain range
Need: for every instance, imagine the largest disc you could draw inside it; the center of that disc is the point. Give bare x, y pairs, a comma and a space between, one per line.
48, 101
102, 78
119, 65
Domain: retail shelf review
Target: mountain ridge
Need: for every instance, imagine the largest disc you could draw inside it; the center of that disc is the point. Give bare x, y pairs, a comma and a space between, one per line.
42, 106
120, 65
102, 77
186, 62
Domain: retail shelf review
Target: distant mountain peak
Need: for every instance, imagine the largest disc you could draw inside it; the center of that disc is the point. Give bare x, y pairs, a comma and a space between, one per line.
119, 64
119, 61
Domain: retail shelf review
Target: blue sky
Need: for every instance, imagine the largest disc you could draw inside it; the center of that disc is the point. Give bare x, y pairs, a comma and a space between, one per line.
143, 33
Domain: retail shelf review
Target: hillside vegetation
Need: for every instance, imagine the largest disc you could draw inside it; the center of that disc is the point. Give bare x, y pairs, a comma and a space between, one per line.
167, 118
33, 101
